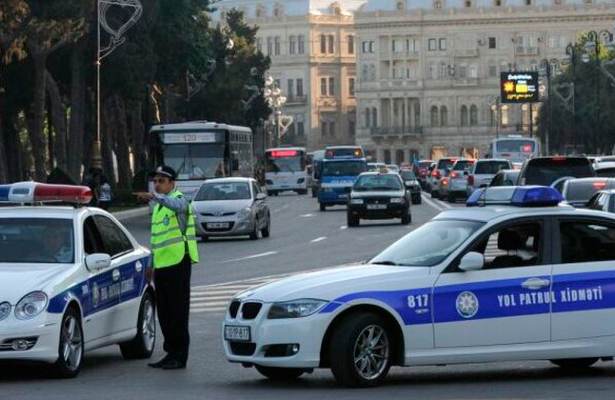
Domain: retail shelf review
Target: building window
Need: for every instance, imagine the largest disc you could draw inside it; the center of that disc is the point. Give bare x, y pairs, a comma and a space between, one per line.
299, 87
497, 3
323, 86
351, 127
300, 128
468, 3
332, 128
504, 116
417, 113
528, 2
463, 71
259, 45
351, 86
292, 45
260, 12
372, 72
371, 46
442, 44
277, 45
269, 46
399, 157
331, 86
443, 116
350, 44
323, 44
493, 71
331, 44
473, 115
492, 43
401, 5
443, 71
434, 116
364, 72
432, 45
437, 4
464, 115
374, 117
367, 118
387, 156
323, 128
291, 88
301, 44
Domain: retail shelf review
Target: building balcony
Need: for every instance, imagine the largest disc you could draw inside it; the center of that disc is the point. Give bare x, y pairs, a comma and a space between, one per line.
396, 131
527, 51
464, 82
400, 83
466, 53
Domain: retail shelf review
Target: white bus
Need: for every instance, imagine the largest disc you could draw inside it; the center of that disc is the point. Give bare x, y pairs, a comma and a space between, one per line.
198, 151
286, 170
515, 148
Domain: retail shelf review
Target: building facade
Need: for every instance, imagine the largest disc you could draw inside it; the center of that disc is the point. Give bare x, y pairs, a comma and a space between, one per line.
313, 50
428, 70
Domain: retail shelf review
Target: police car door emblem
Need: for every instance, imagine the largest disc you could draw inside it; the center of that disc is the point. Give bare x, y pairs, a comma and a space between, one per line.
166, 221
467, 304
95, 294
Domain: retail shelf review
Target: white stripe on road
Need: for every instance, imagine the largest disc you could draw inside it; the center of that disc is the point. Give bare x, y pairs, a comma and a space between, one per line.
431, 203
443, 204
207, 309
213, 298
320, 239
269, 253
306, 215
343, 227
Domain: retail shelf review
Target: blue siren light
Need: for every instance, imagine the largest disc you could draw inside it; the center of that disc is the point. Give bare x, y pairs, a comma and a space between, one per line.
536, 196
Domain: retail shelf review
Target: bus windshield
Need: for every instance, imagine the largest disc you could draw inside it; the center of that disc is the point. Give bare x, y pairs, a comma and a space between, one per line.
515, 146
343, 168
195, 160
286, 162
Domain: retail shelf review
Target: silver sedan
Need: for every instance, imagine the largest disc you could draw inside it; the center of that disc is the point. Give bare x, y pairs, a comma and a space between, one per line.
232, 207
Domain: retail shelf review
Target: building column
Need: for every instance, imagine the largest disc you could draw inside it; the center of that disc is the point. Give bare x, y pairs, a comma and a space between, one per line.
405, 114
391, 113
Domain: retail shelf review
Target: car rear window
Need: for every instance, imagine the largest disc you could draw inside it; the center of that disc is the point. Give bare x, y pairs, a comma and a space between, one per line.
606, 172
445, 163
545, 171
461, 165
490, 167
582, 191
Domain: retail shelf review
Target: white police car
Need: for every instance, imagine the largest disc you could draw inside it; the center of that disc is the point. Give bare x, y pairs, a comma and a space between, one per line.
72, 279
530, 280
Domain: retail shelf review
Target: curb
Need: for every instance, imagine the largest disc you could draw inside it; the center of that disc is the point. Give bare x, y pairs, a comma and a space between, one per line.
128, 214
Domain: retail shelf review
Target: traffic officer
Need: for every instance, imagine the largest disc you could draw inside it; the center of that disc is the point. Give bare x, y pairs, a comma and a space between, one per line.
174, 249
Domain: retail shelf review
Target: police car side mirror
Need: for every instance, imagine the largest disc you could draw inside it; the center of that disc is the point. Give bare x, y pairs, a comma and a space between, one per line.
261, 196
97, 262
472, 261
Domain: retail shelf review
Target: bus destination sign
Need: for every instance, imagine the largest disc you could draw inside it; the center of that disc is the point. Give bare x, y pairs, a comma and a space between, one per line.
519, 87
189, 137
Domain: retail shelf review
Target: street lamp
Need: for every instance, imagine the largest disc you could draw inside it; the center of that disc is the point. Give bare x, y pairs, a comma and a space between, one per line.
276, 100
546, 67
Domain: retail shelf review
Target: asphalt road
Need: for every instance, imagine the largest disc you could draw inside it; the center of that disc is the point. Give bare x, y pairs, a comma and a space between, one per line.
302, 239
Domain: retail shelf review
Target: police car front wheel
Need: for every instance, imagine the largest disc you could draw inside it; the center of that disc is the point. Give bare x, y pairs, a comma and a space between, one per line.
575, 363
142, 346
280, 374
361, 353
70, 351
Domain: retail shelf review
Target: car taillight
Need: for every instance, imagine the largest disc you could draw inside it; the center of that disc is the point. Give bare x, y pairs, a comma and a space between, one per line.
599, 185
436, 173
471, 180
454, 175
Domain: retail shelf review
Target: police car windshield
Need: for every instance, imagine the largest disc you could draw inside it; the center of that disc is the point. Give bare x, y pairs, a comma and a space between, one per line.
224, 191
428, 245
36, 240
343, 168
377, 182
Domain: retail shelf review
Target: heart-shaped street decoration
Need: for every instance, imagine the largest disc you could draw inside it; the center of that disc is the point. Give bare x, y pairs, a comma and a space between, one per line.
135, 10
285, 122
566, 96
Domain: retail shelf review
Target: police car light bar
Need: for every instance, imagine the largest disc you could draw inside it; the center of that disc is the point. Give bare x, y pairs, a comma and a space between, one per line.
33, 192
518, 196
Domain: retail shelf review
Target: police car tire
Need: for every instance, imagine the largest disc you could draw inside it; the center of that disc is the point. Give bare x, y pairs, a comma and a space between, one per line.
137, 349
575, 363
406, 218
342, 345
280, 374
61, 368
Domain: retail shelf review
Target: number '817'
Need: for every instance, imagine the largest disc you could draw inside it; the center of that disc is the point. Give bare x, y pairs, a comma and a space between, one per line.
418, 301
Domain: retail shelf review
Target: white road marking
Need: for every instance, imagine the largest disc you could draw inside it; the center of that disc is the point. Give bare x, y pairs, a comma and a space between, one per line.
269, 253
432, 204
443, 204
320, 239
306, 215
343, 227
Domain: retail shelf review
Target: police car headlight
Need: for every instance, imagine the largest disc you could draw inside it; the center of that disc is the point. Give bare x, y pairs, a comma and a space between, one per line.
31, 305
245, 213
296, 308
397, 200
356, 201
5, 310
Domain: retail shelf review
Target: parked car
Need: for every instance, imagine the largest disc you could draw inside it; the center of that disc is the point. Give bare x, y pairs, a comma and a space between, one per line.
457, 183
554, 171
232, 207
578, 192
482, 172
506, 177
439, 172
412, 185
605, 169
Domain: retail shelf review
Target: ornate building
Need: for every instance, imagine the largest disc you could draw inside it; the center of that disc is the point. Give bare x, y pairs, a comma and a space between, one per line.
428, 70
313, 50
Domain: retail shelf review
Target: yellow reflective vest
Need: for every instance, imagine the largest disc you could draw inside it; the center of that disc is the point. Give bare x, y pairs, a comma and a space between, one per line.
168, 242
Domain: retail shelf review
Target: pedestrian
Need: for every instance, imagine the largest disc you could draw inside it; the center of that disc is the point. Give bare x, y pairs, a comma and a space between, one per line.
174, 247
105, 195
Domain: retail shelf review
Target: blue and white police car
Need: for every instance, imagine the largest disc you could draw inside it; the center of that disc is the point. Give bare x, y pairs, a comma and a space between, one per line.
529, 280
72, 279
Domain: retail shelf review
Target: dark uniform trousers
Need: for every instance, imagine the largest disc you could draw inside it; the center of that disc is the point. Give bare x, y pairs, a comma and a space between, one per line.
173, 301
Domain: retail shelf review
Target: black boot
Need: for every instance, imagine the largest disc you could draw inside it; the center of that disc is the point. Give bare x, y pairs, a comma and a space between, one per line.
174, 364
160, 364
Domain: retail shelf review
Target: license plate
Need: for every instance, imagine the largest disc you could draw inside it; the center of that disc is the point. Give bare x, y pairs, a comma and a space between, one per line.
237, 333
343, 196
218, 225
376, 206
